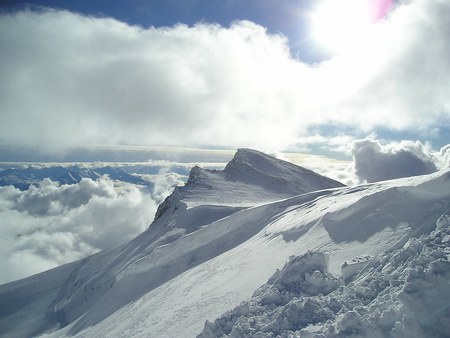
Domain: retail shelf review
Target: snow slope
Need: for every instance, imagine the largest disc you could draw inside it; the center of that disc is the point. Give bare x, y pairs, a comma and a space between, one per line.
403, 293
221, 237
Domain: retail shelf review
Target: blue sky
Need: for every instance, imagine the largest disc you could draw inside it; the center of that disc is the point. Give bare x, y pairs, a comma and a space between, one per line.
296, 75
289, 17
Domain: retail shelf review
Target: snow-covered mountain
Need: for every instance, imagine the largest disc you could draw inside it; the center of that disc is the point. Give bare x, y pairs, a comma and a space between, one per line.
362, 261
251, 178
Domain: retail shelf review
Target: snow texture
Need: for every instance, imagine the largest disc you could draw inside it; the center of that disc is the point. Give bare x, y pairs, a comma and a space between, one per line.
223, 235
404, 293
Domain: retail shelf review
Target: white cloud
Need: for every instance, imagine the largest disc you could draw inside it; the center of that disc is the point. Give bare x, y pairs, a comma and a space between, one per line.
445, 156
376, 162
237, 86
341, 171
52, 224
404, 85
126, 84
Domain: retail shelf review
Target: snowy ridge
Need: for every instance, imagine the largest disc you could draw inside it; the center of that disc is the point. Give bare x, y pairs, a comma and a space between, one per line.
250, 179
404, 293
277, 176
209, 251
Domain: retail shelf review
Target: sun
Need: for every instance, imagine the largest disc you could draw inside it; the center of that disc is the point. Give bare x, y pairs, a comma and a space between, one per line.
338, 25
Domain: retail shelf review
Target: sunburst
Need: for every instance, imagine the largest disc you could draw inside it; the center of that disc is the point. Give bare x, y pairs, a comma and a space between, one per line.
338, 25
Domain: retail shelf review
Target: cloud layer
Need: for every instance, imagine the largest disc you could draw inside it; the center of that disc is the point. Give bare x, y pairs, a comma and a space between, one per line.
52, 224
376, 162
210, 85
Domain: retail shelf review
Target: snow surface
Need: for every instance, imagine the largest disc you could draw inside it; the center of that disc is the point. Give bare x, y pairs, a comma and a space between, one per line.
224, 235
403, 293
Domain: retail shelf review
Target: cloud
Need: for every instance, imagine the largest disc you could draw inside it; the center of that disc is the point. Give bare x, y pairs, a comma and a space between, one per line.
126, 84
340, 170
52, 224
404, 86
211, 85
445, 156
317, 142
376, 162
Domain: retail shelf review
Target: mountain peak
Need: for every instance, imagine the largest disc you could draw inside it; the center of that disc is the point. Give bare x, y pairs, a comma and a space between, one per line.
196, 176
275, 175
250, 178
254, 158
253, 169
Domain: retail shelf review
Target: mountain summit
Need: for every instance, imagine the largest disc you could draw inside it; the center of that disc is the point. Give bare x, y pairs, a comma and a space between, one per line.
261, 248
275, 175
250, 178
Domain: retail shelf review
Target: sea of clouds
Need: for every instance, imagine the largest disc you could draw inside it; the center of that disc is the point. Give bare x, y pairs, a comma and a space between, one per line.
51, 224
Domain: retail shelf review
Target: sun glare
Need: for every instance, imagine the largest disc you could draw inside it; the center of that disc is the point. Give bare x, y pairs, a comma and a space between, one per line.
339, 25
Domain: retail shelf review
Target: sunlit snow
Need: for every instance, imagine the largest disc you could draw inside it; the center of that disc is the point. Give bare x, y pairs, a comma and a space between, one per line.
261, 248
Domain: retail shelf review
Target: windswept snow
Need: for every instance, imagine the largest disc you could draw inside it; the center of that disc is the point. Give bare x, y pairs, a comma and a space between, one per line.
351, 267
250, 178
402, 293
223, 235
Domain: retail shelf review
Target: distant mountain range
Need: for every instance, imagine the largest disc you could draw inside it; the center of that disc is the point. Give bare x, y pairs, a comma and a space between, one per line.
22, 178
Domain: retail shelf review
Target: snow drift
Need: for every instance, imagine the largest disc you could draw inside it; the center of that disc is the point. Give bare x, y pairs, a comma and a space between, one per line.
224, 235
404, 293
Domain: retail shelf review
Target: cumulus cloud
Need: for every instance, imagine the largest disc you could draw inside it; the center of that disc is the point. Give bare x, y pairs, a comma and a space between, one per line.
445, 156
52, 224
212, 85
123, 83
376, 162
